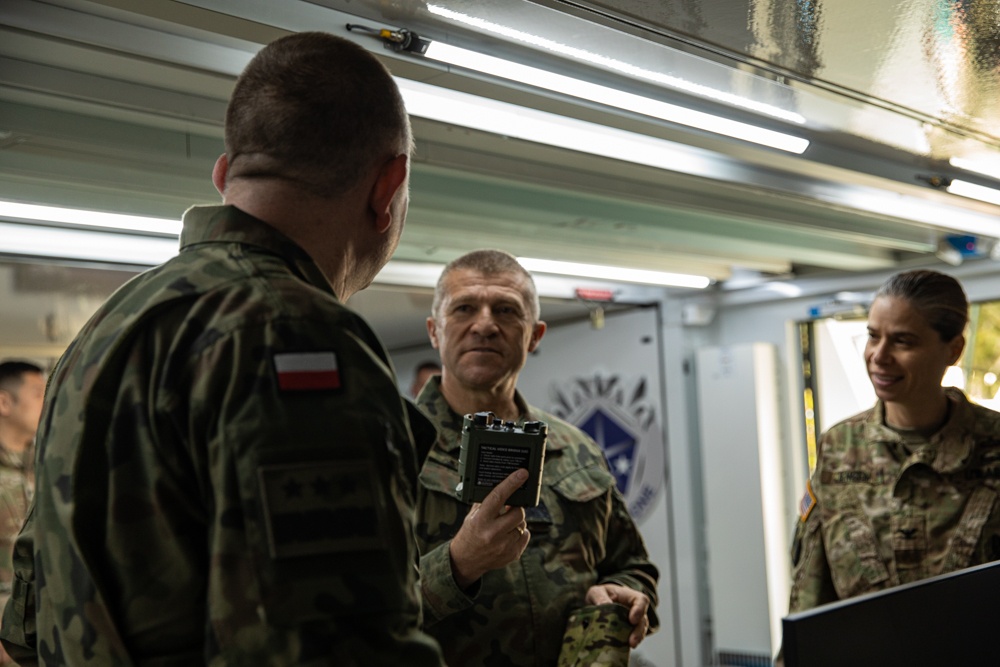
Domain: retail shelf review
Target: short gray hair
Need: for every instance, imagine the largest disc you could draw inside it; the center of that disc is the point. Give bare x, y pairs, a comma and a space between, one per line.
489, 262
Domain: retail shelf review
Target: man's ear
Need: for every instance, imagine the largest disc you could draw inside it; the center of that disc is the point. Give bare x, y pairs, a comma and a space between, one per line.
536, 335
432, 332
219, 174
391, 177
6, 403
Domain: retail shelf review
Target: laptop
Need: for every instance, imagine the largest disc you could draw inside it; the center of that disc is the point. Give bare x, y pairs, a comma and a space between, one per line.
952, 620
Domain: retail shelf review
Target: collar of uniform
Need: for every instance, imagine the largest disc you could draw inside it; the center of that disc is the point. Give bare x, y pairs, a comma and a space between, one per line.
16, 460
424, 432
953, 443
432, 401
228, 224
955, 440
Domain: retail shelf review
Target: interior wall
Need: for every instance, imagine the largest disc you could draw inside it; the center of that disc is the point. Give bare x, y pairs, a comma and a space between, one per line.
740, 448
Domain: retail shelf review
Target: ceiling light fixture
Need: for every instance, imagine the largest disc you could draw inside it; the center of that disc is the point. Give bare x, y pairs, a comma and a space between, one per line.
614, 273
133, 223
471, 60
615, 98
480, 113
985, 167
973, 191
132, 249
85, 245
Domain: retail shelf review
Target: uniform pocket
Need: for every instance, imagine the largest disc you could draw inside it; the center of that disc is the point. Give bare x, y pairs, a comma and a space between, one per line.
580, 505
584, 484
852, 554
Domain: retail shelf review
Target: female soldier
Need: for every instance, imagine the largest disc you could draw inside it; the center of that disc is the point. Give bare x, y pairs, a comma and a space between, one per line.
908, 489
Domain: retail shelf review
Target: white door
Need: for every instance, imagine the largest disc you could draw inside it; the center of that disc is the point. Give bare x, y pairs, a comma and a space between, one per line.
608, 382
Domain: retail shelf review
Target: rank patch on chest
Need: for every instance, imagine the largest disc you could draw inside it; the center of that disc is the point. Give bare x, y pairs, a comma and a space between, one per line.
321, 508
307, 371
808, 502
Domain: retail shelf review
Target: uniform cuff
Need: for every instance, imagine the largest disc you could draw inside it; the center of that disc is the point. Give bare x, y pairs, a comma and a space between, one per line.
441, 594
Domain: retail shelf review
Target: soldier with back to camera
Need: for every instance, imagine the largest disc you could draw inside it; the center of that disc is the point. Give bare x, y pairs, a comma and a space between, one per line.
226, 466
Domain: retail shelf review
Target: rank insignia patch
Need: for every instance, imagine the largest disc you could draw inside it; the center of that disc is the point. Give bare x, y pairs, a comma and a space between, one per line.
322, 507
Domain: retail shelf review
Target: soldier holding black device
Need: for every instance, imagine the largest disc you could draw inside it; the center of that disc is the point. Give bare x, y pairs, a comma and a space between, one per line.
502, 578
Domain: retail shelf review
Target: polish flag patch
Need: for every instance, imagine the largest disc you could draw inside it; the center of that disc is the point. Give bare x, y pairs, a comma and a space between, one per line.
307, 371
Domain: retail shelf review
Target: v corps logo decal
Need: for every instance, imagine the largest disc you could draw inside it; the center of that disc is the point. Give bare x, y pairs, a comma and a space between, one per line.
624, 423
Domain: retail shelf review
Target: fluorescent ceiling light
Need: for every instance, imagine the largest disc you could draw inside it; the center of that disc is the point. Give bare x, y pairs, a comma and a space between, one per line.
36, 240
77, 244
921, 210
973, 191
615, 98
411, 274
989, 168
613, 273
480, 113
476, 61
132, 223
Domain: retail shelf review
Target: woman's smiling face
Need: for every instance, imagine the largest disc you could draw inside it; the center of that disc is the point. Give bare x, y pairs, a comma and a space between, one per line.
905, 357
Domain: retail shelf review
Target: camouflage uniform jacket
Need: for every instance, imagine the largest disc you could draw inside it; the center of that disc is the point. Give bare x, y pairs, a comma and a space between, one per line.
17, 485
581, 535
876, 516
226, 472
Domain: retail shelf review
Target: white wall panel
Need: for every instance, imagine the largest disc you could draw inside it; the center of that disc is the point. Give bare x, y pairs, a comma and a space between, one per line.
744, 498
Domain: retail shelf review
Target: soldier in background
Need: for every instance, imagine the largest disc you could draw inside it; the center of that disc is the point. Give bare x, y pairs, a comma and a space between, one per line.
499, 584
421, 374
226, 466
908, 489
22, 388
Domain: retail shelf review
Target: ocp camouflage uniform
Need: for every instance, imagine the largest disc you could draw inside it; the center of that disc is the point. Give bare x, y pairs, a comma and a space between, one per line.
581, 535
207, 494
596, 636
883, 516
17, 485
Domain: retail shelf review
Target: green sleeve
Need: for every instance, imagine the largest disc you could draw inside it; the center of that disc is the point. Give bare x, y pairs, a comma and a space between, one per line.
627, 561
441, 594
812, 583
17, 630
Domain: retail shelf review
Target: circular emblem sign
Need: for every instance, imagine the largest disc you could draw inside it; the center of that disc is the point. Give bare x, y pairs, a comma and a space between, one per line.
619, 417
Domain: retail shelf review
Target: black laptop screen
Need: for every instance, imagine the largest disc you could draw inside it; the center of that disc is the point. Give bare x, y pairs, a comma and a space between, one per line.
950, 620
